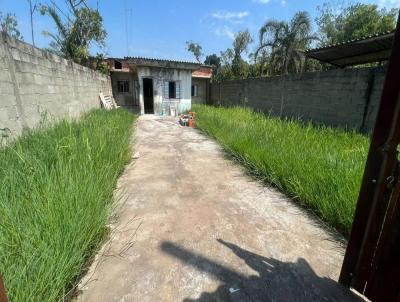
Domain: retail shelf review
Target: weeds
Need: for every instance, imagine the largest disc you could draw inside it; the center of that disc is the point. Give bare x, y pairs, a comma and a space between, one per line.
319, 166
56, 188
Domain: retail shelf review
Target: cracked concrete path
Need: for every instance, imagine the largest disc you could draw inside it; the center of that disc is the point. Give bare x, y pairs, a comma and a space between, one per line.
192, 226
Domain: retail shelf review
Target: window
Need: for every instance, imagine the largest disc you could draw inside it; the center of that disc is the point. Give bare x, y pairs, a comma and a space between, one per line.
172, 90
123, 86
195, 89
117, 64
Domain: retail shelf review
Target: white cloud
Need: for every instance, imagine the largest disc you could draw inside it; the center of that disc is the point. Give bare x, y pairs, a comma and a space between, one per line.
262, 1
389, 3
225, 32
283, 2
226, 15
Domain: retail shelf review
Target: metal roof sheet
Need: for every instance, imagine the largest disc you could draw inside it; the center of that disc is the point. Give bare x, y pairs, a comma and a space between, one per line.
369, 49
141, 61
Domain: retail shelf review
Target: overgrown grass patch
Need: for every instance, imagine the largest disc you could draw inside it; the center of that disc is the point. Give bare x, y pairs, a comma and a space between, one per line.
56, 188
319, 166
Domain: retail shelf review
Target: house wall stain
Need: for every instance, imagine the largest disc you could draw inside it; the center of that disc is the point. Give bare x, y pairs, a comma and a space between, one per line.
160, 76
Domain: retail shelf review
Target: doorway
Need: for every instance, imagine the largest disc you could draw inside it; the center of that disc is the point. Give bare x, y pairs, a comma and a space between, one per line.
148, 98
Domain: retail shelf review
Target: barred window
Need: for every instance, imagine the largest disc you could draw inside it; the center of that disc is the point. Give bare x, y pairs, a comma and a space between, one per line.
172, 90
123, 86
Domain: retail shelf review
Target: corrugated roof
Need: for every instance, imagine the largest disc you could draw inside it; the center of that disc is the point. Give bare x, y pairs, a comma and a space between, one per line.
161, 60
373, 48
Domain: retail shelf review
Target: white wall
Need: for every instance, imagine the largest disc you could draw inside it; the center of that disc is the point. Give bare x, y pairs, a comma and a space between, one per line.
159, 76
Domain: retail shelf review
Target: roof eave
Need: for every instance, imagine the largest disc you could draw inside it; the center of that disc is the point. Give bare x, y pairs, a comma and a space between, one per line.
161, 63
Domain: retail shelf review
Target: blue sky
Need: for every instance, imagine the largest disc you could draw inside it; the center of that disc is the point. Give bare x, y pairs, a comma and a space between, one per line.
160, 28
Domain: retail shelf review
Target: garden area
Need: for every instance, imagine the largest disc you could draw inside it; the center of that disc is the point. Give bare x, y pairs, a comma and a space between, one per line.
319, 166
56, 192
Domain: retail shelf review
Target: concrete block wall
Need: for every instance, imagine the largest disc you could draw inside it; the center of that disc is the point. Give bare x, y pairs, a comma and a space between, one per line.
343, 97
34, 82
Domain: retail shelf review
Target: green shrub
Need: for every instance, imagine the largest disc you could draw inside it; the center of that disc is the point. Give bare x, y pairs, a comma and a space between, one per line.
319, 166
56, 188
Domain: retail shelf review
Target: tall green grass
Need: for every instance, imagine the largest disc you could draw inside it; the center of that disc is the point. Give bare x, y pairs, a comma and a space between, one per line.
319, 166
56, 189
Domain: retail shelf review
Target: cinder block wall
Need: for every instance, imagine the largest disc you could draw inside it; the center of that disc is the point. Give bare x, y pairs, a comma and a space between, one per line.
34, 82
343, 97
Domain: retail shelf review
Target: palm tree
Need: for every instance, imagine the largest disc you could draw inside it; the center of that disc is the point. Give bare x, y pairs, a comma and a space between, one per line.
284, 43
76, 30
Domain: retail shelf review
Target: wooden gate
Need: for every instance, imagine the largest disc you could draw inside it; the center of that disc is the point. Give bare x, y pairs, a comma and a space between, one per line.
372, 260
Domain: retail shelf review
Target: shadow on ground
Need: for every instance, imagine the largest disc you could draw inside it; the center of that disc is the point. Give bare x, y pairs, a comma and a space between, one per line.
276, 280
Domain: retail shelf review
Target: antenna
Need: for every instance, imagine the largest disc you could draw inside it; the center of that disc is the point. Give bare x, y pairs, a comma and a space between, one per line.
126, 28
130, 25
31, 12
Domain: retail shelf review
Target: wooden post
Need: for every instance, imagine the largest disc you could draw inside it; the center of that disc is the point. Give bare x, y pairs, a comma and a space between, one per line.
379, 188
3, 293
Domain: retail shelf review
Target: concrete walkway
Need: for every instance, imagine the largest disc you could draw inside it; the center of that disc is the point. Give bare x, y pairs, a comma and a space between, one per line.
193, 227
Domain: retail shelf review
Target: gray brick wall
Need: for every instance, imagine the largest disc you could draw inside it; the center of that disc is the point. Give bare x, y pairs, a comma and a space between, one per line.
342, 97
34, 82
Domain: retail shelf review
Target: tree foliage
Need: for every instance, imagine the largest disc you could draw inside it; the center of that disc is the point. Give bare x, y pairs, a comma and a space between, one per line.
240, 46
196, 49
351, 22
77, 29
9, 25
213, 60
232, 64
282, 44
241, 43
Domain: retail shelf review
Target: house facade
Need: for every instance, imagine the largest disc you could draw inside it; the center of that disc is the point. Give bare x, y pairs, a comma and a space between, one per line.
161, 87
201, 79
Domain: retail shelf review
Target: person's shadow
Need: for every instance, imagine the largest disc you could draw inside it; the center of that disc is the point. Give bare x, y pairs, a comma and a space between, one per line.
276, 280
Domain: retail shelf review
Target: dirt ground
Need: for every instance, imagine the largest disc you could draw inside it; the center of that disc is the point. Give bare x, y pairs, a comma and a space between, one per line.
192, 226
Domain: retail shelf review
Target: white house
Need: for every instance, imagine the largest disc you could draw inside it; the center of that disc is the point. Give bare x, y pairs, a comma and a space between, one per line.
162, 87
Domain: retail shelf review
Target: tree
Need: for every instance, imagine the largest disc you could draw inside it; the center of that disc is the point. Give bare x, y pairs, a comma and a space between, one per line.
227, 56
284, 43
355, 21
9, 25
224, 71
240, 46
213, 60
230, 63
196, 49
241, 43
260, 66
76, 30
